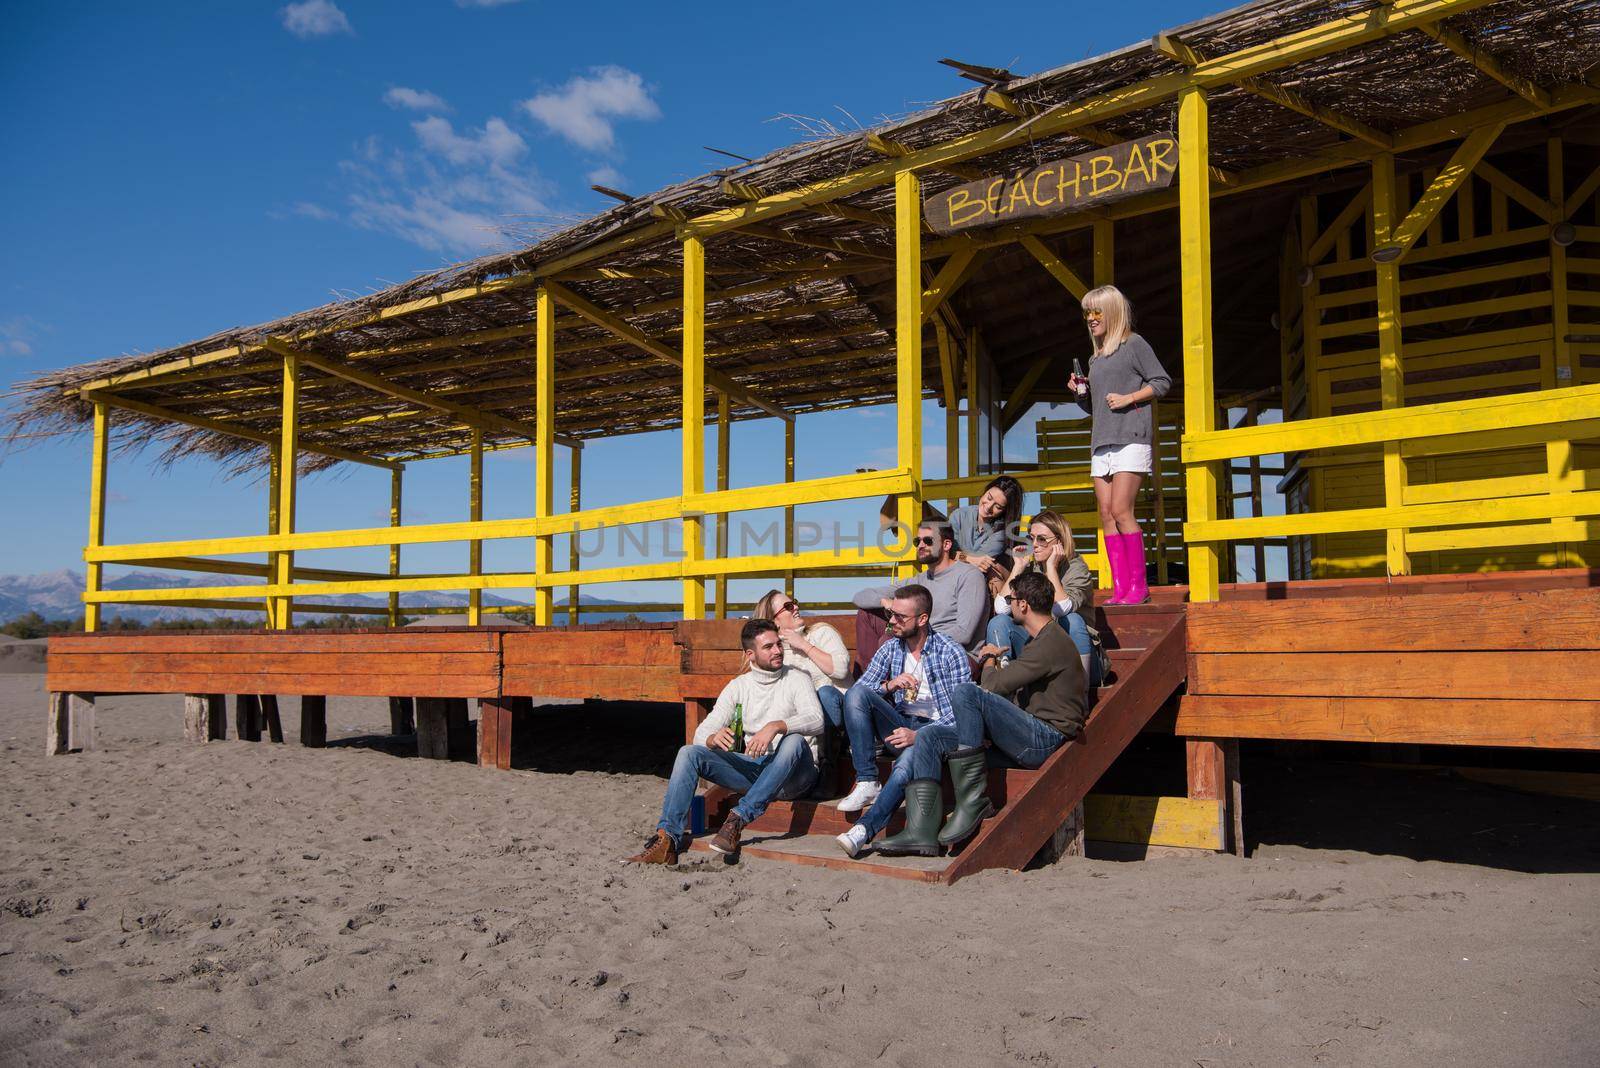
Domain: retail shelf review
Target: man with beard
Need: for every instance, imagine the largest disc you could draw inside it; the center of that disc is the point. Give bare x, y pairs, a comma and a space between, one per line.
960, 593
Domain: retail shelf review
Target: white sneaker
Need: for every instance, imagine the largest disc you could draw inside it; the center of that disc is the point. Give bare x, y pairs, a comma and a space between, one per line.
853, 841
864, 794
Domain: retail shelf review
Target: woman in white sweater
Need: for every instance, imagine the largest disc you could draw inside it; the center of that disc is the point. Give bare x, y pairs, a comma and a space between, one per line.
818, 650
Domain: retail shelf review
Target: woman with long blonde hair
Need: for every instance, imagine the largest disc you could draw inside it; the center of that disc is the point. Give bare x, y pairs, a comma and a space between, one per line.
817, 649
1124, 378
1050, 553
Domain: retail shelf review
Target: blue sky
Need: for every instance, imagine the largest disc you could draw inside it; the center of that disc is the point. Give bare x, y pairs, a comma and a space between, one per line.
176, 169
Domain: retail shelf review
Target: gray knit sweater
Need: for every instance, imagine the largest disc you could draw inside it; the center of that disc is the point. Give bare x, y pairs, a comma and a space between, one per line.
1132, 367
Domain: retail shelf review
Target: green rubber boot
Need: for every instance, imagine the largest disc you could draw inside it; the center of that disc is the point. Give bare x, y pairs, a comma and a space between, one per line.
969, 771
924, 813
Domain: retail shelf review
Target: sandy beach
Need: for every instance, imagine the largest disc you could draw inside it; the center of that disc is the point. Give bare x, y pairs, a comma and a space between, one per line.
243, 903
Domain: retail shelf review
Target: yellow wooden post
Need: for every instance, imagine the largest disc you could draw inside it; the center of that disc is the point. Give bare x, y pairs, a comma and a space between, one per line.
475, 515
395, 477
788, 511
97, 510
274, 477
694, 417
908, 347
1199, 400
1105, 256
1563, 366
288, 461
724, 425
1386, 214
544, 451
574, 503
952, 406
974, 349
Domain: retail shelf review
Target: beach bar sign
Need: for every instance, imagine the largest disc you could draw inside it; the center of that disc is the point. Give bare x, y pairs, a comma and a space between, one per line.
1058, 188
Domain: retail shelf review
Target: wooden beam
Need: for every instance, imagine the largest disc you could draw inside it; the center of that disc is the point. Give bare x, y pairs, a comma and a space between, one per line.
97, 509
280, 611
908, 341
1438, 194
1487, 63
951, 277
544, 450
1199, 400
716, 379
1342, 222
883, 146
693, 395
1021, 398
1058, 270
1514, 189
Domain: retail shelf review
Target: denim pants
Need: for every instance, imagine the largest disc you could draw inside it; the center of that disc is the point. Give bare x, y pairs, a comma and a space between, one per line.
1027, 741
868, 716
832, 700
1008, 633
781, 776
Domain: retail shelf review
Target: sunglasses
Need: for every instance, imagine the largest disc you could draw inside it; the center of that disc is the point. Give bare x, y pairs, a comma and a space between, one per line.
1044, 538
1092, 316
902, 617
926, 541
787, 606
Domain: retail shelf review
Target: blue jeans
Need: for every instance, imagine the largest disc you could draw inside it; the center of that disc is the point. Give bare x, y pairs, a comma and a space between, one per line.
1008, 633
868, 717
832, 699
780, 776
979, 713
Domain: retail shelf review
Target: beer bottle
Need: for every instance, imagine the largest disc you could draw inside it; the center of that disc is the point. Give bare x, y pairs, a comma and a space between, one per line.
1083, 381
738, 728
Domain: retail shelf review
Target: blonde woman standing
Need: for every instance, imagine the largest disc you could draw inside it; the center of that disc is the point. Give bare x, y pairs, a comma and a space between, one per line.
1124, 377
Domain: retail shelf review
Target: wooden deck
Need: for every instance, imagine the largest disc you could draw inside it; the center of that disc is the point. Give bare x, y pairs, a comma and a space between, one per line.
1484, 660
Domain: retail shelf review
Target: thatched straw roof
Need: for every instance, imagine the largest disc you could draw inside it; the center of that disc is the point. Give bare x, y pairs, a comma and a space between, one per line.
801, 308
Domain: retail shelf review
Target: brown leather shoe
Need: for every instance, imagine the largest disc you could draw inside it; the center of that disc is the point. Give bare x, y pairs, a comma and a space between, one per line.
662, 849
727, 839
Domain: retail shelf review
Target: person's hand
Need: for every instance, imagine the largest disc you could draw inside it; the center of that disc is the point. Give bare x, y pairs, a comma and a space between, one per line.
1054, 561
887, 603
901, 738
982, 563
902, 681
1020, 557
1076, 380
991, 649
1118, 401
796, 638
756, 745
722, 740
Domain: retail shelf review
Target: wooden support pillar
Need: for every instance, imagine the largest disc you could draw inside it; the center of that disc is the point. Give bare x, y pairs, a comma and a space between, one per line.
97, 510
270, 718
1386, 215
724, 428
574, 504
314, 721
288, 462
1213, 773
908, 351
394, 550
970, 378
274, 480
69, 724
247, 717
495, 715
949, 381
442, 727
1563, 365
475, 515
205, 718
1067, 841
402, 717
695, 711
788, 511
1199, 396
694, 418
544, 450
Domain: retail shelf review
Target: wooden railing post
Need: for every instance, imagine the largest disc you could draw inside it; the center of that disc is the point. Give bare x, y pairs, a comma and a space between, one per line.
574, 503
97, 511
1199, 399
544, 428
788, 511
908, 348
694, 418
288, 462
1386, 214
724, 426
395, 488
475, 515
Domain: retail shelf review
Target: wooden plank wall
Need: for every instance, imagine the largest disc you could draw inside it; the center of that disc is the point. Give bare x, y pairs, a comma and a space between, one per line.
613, 662
1501, 668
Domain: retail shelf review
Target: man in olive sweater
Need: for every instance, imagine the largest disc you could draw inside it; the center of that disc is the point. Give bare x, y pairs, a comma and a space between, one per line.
1047, 684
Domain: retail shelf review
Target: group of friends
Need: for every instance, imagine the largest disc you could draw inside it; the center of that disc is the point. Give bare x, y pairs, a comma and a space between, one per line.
988, 654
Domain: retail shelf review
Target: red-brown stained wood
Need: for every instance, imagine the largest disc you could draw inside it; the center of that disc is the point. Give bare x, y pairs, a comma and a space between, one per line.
1566, 619
695, 711
494, 733
1448, 721
313, 721
483, 684
1207, 769
1538, 675
1012, 837
603, 648
247, 717
270, 718
593, 681
404, 641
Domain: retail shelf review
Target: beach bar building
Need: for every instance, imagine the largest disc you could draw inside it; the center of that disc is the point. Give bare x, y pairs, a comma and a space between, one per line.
1363, 234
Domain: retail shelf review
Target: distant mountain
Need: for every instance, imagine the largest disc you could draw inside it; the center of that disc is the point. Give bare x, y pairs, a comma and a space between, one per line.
55, 595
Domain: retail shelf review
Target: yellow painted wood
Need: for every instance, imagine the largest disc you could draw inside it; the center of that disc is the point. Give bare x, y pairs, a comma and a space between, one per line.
1391, 373
1515, 190
1455, 513
1581, 193
955, 272
970, 377
950, 397
475, 515
575, 504
1403, 234
1559, 531
693, 363
1154, 821
1058, 270
908, 346
811, 491
1486, 63
288, 467
395, 487
788, 511
1562, 364
724, 426
1199, 395
1105, 251
1341, 224
1551, 408
544, 457
274, 478
98, 453
1043, 480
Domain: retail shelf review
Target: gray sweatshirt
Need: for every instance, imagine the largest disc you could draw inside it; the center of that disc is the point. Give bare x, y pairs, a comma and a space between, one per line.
960, 602
1132, 367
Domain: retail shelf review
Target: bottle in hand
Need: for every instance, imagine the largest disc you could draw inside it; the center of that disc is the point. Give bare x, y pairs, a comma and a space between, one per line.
1082, 387
737, 726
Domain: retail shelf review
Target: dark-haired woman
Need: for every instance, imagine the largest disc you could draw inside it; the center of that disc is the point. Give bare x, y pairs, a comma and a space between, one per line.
987, 532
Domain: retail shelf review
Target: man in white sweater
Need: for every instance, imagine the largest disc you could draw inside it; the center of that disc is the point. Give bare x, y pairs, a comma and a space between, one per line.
760, 740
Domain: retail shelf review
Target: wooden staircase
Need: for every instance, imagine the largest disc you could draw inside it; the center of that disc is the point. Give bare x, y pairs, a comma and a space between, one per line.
1148, 660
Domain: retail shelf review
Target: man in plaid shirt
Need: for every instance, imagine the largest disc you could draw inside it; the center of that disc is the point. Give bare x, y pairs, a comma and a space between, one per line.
906, 687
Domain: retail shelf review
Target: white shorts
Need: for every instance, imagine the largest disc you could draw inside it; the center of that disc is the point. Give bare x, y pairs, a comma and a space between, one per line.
1107, 460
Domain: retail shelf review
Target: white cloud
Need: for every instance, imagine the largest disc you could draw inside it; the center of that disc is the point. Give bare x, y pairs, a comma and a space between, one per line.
414, 99
312, 211
607, 175
315, 18
496, 143
582, 110
17, 336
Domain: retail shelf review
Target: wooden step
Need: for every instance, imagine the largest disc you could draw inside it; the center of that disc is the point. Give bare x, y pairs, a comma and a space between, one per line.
821, 851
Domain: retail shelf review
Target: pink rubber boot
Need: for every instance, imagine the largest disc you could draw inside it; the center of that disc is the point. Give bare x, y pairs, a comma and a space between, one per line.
1119, 569
1137, 588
